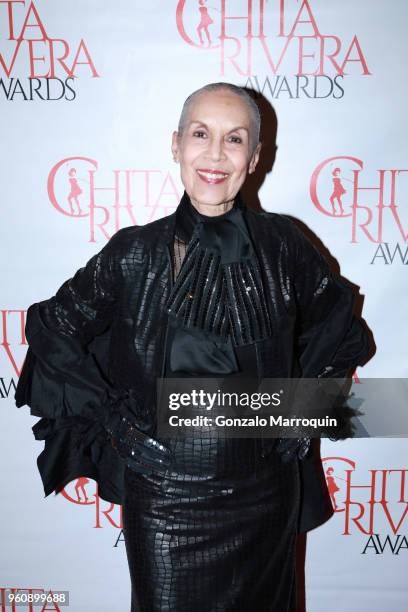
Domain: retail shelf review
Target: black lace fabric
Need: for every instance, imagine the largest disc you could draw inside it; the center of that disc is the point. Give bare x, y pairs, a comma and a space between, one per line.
179, 251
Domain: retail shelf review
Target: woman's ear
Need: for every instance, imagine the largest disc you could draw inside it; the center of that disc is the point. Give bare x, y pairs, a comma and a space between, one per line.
174, 146
254, 158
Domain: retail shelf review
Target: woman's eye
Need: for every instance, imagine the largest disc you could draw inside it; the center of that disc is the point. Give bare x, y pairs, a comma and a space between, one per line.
202, 134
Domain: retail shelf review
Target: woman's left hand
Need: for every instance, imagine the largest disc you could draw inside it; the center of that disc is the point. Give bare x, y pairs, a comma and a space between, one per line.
288, 448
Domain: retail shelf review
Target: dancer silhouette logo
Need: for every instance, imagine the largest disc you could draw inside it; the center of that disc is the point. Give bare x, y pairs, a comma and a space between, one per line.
372, 502
109, 200
368, 200
282, 38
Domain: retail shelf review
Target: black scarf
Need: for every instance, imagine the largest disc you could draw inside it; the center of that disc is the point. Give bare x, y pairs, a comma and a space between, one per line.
219, 286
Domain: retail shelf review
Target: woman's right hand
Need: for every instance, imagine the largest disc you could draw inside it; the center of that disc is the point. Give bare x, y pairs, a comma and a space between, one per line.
140, 451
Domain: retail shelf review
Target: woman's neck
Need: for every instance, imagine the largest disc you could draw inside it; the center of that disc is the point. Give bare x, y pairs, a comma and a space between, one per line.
212, 210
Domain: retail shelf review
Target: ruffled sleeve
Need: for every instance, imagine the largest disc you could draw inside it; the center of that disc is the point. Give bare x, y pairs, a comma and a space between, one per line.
63, 382
331, 339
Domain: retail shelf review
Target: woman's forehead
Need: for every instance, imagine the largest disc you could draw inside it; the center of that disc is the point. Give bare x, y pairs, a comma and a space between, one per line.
219, 106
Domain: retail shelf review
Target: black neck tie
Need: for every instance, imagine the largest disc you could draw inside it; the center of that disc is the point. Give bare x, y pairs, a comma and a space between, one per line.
219, 287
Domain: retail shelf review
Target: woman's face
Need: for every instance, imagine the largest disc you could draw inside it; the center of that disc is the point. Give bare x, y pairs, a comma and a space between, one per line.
215, 150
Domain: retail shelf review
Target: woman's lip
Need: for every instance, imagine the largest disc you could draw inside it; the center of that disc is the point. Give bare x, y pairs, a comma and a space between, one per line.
212, 177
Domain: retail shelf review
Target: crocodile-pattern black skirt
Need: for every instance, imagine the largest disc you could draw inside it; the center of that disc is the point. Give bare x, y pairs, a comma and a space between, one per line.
216, 532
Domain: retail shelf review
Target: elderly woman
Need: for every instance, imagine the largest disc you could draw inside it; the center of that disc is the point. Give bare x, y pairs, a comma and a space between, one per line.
212, 290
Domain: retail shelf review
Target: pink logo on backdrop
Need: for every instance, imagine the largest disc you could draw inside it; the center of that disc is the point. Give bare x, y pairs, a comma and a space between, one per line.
13, 342
284, 39
371, 502
370, 202
105, 201
34, 64
83, 492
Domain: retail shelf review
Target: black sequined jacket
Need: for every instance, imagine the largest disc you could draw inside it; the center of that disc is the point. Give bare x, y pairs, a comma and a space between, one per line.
108, 323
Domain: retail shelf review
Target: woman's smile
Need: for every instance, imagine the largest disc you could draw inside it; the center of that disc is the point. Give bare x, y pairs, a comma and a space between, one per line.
212, 177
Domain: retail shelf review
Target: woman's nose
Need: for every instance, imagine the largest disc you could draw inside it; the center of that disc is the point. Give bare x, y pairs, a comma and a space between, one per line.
215, 149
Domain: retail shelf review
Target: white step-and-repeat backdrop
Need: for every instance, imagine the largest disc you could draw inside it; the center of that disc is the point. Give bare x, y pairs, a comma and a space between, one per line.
90, 93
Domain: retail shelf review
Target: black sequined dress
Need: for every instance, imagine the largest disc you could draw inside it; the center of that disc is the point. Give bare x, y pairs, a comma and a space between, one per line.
217, 531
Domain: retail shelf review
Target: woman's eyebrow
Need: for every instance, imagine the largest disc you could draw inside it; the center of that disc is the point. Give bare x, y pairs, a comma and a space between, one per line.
240, 127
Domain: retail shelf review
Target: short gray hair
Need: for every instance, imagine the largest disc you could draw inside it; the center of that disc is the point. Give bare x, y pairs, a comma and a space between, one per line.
239, 91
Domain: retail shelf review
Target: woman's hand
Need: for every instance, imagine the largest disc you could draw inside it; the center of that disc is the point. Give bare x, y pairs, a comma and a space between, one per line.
140, 451
288, 448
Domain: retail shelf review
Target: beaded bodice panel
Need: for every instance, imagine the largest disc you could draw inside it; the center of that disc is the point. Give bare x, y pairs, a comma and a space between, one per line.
226, 299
